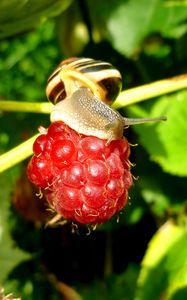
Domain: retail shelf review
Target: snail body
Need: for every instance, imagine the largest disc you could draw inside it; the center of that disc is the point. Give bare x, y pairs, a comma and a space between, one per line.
82, 90
97, 118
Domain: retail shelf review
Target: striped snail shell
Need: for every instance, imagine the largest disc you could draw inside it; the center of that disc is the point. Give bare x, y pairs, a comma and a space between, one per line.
82, 90
100, 77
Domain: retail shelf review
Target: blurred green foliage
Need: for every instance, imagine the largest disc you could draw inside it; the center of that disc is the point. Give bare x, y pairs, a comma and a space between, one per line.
146, 41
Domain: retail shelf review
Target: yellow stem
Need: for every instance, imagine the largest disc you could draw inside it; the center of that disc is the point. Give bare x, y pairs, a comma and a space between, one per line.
17, 154
31, 107
147, 91
125, 98
173, 3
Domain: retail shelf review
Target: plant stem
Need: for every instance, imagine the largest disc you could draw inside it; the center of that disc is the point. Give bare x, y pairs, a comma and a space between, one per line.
125, 98
32, 107
151, 90
17, 154
108, 266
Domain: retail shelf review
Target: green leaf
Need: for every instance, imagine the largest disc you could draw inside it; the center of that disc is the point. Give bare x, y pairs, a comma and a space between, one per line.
153, 195
163, 272
19, 15
115, 286
10, 254
127, 23
165, 141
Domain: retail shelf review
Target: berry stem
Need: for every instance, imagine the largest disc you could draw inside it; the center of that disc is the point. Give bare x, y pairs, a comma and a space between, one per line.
126, 97
17, 154
147, 91
108, 266
32, 107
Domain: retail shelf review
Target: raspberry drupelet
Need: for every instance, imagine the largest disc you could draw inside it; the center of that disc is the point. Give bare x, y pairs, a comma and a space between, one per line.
84, 180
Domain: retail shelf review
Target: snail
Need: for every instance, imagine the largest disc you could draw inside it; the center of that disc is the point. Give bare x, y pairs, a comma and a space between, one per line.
82, 90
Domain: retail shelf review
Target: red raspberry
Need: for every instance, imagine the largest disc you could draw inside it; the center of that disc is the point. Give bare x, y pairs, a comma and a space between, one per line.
85, 180
40, 171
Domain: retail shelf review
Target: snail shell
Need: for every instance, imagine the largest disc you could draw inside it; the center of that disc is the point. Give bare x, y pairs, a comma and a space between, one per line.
82, 90
100, 77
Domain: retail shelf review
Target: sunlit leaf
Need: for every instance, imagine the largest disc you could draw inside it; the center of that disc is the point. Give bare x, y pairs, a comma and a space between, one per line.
127, 23
163, 270
166, 141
